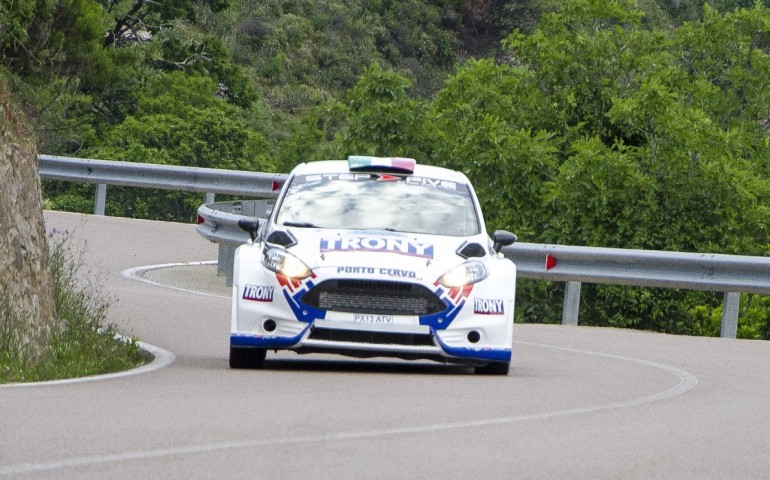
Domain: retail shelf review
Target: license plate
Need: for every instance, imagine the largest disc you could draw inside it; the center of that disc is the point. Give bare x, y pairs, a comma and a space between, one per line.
372, 318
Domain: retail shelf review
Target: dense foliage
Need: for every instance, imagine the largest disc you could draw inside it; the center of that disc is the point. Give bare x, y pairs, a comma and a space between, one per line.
618, 123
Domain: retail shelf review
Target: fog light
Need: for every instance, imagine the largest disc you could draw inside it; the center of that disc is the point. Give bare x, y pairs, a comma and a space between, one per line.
269, 325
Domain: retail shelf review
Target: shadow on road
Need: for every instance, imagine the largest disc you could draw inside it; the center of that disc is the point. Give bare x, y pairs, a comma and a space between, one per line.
330, 365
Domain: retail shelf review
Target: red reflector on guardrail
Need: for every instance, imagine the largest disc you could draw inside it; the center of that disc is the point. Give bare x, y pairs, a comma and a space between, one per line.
550, 262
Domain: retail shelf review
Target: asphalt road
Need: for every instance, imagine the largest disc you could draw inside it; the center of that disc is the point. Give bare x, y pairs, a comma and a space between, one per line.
582, 403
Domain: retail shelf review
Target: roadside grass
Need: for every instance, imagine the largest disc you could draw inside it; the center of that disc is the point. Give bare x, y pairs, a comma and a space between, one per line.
81, 343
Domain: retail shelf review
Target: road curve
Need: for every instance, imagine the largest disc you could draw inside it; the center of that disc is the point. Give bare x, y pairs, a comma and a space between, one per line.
584, 403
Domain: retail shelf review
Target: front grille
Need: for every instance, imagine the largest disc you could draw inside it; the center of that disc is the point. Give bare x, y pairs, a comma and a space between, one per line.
370, 296
377, 338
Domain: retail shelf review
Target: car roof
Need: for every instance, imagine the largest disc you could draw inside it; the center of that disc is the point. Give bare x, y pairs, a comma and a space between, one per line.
341, 166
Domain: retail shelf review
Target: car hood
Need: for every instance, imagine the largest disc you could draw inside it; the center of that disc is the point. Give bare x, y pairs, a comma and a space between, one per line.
378, 254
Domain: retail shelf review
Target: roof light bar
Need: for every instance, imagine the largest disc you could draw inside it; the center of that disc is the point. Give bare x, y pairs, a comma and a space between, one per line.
381, 164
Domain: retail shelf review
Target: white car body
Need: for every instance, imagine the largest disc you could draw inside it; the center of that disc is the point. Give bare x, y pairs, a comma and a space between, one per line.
363, 288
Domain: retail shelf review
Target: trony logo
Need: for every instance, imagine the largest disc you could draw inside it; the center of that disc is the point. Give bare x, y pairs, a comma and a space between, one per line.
258, 293
377, 244
488, 307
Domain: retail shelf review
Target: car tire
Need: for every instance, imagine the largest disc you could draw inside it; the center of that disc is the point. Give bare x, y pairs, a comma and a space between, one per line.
241, 357
494, 368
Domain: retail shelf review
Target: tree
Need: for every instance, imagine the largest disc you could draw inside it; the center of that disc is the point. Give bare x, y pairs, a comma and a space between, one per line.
24, 22
603, 131
317, 135
136, 20
179, 120
383, 119
693, 10
490, 123
673, 106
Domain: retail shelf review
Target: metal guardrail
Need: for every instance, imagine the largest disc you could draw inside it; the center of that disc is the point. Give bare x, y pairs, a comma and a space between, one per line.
218, 222
731, 274
168, 177
649, 268
574, 265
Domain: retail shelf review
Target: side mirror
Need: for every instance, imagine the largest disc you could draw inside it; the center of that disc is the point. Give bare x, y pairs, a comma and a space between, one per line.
251, 226
503, 238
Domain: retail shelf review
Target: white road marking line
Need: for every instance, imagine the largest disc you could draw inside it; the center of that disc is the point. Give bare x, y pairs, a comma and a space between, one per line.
687, 382
135, 273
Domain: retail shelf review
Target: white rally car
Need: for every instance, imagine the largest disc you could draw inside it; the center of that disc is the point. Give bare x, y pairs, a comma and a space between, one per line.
374, 257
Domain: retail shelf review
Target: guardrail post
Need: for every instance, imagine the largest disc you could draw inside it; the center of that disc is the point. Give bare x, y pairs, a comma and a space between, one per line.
225, 262
101, 199
730, 308
209, 198
569, 314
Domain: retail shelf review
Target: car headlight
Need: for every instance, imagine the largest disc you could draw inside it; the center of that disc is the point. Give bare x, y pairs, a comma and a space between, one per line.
464, 274
283, 262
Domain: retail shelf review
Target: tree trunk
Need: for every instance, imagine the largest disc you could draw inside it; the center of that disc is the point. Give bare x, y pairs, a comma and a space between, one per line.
26, 288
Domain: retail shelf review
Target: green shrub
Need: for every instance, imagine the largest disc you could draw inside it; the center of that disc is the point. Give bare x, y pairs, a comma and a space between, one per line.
753, 318
83, 341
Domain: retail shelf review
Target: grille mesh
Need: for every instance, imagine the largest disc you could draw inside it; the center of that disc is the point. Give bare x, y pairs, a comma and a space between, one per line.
380, 338
367, 296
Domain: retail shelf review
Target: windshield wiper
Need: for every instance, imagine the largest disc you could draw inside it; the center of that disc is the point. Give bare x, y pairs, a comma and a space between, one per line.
299, 224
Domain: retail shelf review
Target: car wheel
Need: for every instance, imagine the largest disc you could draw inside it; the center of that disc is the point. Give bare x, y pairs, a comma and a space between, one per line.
247, 357
494, 368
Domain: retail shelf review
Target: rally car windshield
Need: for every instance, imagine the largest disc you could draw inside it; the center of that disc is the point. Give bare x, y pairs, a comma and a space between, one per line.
380, 202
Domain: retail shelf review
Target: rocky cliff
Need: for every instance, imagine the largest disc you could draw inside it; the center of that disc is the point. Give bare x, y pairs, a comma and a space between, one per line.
26, 291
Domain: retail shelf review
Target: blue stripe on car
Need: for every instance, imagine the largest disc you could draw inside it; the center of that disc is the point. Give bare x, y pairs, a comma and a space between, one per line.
492, 354
251, 340
303, 312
